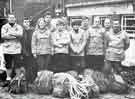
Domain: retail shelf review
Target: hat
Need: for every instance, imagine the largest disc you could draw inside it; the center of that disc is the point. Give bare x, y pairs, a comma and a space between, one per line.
76, 22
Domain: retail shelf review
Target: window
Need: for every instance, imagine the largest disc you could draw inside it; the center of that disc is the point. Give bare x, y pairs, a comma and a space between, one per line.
1, 12
128, 23
102, 19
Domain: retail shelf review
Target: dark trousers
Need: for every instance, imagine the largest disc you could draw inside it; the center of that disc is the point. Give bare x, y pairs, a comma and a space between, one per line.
112, 67
78, 63
3, 76
43, 61
30, 67
61, 62
95, 62
13, 62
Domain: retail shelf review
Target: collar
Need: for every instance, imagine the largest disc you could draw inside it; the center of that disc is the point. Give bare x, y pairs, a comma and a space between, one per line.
84, 28
107, 30
96, 26
11, 26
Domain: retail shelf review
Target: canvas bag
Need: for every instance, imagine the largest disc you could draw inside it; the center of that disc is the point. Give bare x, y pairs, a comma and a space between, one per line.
43, 82
18, 85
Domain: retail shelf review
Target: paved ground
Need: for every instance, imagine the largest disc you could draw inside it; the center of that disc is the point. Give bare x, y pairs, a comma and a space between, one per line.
4, 95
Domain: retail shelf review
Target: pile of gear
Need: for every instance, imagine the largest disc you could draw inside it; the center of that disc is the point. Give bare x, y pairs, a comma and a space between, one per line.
69, 84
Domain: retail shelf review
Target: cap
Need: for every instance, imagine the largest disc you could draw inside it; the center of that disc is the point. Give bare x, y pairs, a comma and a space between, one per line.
76, 22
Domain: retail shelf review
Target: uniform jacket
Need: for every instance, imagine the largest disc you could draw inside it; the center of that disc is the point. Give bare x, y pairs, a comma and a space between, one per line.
41, 42
11, 36
60, 41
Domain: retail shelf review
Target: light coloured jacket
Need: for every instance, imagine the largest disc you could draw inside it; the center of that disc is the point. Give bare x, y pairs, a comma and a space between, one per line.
41, 42
78, 42
95, 43
60, 41
116, 45
11, 37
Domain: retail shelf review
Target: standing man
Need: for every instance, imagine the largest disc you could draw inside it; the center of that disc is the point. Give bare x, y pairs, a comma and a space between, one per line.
117, 43
61, 41
77, 47
95, 46
27, 37
48, 19
50, 28
12, 33
28, 59
107, 29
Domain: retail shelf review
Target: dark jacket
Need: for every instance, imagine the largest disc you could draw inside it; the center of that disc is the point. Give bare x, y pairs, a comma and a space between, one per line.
26, 41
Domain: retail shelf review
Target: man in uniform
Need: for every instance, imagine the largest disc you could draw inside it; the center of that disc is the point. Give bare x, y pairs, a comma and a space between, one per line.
11, 34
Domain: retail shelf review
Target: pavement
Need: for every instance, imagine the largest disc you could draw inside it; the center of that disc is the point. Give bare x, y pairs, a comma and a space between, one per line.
4, 95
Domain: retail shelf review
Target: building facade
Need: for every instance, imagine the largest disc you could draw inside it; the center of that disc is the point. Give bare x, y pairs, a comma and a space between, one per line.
35, 8
123, 9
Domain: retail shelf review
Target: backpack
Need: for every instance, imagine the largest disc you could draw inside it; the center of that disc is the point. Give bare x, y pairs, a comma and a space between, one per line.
101, 81
43, 82
118, 85
18, 84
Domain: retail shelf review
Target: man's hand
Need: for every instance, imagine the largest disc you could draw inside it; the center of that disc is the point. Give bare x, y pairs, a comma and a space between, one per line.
35, 55
60, 45
16, 36
76, 51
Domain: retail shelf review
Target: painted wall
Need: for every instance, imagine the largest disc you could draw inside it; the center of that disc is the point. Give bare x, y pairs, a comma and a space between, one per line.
122, 8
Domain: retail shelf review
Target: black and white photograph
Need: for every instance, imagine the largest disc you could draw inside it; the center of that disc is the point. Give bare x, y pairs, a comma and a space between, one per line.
67, 49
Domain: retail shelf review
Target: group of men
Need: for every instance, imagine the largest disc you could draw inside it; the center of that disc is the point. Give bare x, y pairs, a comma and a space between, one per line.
76, 47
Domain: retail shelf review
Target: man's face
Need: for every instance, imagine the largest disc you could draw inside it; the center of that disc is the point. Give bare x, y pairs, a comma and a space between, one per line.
107, 23
96, 21
65, 19
116, 26
60, 27
85, 22
11, 19
48, 18
75, 27
26, 23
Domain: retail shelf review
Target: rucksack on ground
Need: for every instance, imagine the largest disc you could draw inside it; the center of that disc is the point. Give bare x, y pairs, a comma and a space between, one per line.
43, 82
18, 85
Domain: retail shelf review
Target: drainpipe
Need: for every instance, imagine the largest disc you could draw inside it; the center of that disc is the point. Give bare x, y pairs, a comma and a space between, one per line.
134, 6
10, 6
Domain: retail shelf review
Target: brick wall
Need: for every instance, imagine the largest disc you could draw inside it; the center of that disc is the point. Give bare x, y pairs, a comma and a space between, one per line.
28, 8
18, 9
